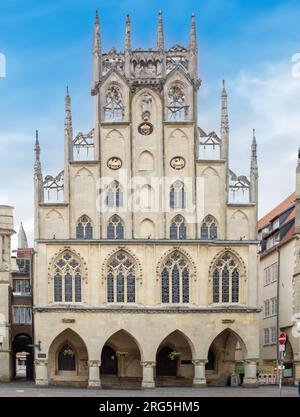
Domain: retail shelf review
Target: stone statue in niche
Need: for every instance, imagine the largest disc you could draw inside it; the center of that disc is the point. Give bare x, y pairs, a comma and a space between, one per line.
146, 104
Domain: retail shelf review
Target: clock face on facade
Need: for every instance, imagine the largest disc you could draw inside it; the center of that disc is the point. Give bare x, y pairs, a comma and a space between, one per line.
145, 128
114, 163
177, 162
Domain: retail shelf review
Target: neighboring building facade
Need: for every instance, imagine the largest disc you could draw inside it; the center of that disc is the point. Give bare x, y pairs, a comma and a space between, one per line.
130, 291
6, 231
21, 309
279, 261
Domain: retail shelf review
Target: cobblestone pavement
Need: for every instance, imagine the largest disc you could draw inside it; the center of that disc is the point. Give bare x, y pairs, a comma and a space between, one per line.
28, 389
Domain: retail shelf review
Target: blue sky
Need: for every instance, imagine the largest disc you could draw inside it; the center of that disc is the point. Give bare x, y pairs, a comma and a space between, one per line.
250, 43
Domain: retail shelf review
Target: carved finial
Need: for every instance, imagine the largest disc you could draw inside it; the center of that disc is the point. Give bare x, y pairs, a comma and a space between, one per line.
96, 51
37, 159
224, 125
160, 33
22, 238
193, 36
128, 34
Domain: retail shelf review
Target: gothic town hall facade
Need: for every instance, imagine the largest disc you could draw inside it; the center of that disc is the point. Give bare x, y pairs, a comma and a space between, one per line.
146, 244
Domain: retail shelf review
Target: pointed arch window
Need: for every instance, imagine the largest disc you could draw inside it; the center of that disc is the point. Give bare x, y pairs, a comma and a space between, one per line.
209, 228
175, 277
177, 195
177, 110
114, 197
67, 279
178, 228
226, 280
115, 228
84, 228
113, 108
66, 358
121, 279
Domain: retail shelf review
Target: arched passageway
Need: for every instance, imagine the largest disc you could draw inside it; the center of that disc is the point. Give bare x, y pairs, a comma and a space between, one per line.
174, 366
225, 356
68, 360
121, 362
23, 357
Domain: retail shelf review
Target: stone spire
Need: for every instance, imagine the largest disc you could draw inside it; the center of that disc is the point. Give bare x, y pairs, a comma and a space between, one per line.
193, 36
68, 118
160, 33
96, 52
254, 171
68, 143
37, 160
193, 59
22, 238
128, 34
224, 125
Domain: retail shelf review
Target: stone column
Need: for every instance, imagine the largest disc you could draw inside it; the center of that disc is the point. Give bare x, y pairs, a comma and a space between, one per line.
296, 372
199, 372
94, 374
148, 374
250, 378
41, 372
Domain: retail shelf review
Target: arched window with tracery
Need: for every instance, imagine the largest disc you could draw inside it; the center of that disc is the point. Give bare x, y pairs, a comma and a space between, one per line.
114, 196
67, 279
226, 280
84, 228
115, 228
175, 279
178, 228
177, 110
121, 279
66, 358
209, 228
113, 108
177, 195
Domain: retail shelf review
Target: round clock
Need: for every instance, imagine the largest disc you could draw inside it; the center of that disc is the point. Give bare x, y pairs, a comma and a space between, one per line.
177, 162
145, 128
114, 163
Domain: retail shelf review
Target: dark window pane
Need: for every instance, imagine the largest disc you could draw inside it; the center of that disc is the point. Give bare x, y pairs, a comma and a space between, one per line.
185, 286
110, 288
57, 288
175, 285
213, 231
79, 231
131, 289
110, 231
165, 286
204, 231
120, 288
235, 286
120, 231
89, 231
77, 288
216, 286
68, 288
182, 231
173, 231
225, 286
172, 198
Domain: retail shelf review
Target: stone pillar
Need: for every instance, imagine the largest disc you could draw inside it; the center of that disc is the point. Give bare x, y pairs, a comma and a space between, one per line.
94, 374
148, 374
250, 378
41, 373
199, 372
296, 372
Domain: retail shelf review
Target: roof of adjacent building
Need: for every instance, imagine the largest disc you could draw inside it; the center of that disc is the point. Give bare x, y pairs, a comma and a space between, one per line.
278, 226
281, 208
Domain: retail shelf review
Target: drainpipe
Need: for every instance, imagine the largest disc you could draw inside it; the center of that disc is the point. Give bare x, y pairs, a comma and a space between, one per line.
278, 304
